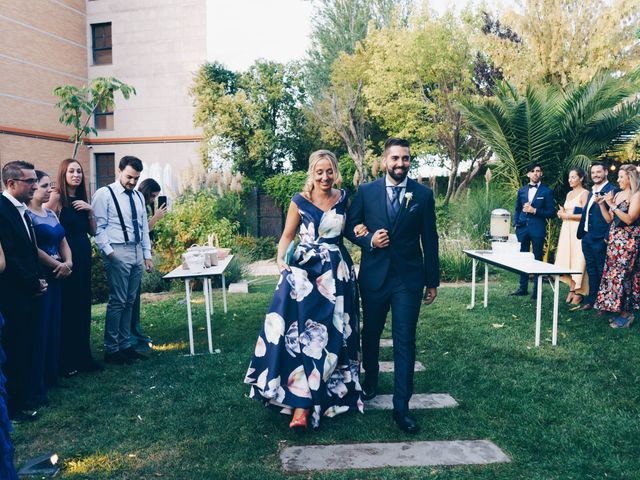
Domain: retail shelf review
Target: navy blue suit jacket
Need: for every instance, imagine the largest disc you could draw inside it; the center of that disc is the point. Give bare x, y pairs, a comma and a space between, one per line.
597, 225
413, 246
536, 224
20, 281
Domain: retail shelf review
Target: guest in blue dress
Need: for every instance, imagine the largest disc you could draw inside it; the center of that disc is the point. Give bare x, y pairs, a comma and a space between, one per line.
306, 357
55, 257
7, 471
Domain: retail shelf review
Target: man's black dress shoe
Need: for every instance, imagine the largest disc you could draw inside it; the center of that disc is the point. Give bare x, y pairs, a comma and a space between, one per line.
132, 354
117, 358
368, 393
518, 293
405, 422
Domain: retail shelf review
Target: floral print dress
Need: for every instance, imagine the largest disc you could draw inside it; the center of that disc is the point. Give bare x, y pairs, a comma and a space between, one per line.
307, 353
620, 285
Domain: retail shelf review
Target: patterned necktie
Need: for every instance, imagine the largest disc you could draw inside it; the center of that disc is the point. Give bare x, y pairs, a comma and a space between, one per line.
395, 200
134, 215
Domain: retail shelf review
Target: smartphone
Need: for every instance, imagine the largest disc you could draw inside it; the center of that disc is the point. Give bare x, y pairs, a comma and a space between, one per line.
162, 200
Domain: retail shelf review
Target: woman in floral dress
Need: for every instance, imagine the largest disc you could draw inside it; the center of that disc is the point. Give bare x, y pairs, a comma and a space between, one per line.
620, 285
306, 358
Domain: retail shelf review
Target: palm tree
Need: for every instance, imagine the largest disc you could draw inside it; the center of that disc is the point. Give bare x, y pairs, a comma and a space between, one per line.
558, 129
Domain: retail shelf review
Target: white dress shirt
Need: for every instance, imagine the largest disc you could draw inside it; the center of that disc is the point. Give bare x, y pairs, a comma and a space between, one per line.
22, 209
108, 228
402, 185
594, 190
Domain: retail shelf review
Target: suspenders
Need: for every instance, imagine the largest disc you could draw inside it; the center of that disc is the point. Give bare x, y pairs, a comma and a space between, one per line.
120, 217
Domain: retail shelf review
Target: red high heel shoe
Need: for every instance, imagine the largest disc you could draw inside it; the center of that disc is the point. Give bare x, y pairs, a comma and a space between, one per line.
299, 419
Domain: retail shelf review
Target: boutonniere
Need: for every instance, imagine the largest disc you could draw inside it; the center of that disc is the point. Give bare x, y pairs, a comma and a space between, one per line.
407, 198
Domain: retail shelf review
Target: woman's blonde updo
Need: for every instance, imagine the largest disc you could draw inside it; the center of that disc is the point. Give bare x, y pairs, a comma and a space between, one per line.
314, 158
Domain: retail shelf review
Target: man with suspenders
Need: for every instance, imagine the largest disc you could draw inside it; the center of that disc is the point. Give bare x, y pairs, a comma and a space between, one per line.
122, 235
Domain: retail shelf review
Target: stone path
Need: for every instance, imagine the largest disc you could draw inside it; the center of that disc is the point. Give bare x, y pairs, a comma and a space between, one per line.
418, 401
387, 367
404, 454
378, 455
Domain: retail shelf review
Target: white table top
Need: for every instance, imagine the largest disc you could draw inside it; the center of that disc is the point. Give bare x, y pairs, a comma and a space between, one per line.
219, 269
519, 263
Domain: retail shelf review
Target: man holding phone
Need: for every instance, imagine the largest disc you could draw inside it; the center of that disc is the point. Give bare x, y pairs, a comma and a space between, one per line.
593, 231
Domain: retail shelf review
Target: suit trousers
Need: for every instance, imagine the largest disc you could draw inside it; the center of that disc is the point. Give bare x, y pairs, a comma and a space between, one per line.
124, 274
18, 344
527, 243
595, 254
405, 308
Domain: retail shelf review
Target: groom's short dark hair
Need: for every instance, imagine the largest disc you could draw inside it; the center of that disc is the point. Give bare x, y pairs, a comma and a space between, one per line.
394, 141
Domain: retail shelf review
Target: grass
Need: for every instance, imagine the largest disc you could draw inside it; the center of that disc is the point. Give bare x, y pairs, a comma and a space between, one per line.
565, 412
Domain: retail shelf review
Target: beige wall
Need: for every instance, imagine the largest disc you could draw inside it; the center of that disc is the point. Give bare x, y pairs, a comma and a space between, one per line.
157, 47
42, 45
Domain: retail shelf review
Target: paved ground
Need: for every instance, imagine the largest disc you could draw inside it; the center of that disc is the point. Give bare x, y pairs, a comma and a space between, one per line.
377, 455
418, 401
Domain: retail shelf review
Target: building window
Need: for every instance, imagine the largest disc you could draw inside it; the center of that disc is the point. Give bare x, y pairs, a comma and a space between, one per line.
103, 118
105, 169
101, 34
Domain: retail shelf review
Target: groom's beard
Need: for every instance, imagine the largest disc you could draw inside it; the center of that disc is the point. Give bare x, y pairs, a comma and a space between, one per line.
398, 174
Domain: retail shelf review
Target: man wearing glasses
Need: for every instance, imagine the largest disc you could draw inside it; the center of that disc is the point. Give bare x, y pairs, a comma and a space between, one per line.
20, 284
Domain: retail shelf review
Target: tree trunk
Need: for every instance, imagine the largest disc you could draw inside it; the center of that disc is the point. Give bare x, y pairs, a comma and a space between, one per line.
476, 166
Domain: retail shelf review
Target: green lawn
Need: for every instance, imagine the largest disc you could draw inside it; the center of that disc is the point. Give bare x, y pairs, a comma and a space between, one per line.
565, 412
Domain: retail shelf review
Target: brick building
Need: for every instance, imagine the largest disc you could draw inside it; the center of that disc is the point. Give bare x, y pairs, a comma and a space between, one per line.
154, 45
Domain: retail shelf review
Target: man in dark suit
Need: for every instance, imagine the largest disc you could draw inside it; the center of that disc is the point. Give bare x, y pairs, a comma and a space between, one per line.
593, 231
20, 283
394, 270
534, 206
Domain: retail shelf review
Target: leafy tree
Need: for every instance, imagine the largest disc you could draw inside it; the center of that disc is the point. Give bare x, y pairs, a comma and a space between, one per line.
557, 128
564, 41
417, 79
337, 27
79, 104
254, 118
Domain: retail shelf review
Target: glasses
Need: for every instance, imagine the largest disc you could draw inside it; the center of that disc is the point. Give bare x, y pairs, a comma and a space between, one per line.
28, 181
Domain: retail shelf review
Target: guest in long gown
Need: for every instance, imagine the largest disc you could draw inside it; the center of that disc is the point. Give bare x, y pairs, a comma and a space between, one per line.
7, 471
569, 253
619, 290
57, 263
150, 190
306, 358
76, 216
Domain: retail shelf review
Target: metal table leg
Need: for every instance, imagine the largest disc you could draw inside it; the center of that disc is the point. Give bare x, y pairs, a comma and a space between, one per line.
538, 310
486, 285
224, 293
554, 334
207, 295
189, 319
474, 264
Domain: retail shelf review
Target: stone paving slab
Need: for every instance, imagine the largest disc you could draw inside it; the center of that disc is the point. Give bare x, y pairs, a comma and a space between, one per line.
388, 367
378, 455
417, 402
386, 342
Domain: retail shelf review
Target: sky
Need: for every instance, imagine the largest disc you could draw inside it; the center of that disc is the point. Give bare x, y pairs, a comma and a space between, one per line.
241, 31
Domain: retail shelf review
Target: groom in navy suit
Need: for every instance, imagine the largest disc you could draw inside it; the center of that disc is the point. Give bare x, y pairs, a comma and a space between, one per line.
399, 259
534, 206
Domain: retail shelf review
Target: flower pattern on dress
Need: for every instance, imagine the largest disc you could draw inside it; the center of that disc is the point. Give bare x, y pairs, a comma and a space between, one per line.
273, 327
314, 339
315, 311
620, 285
331, 224
300, 285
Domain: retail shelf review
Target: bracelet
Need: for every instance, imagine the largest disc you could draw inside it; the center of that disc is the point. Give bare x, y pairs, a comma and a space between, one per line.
91, 217
614, 208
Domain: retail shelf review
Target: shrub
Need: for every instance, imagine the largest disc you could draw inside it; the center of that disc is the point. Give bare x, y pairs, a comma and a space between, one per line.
99, 283
254, 249
153, 282
284, 186
192, 218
